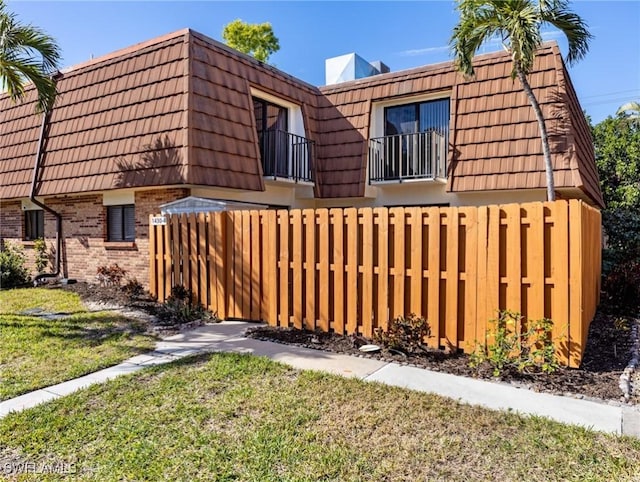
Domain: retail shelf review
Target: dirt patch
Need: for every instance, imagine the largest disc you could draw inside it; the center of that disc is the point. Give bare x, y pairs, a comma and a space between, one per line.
606, 356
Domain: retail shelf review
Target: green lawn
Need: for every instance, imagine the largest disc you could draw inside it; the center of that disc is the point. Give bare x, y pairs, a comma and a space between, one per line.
236, 417
36, 352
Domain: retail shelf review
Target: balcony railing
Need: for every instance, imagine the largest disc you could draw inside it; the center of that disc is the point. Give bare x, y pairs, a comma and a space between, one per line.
421, 155
286, 155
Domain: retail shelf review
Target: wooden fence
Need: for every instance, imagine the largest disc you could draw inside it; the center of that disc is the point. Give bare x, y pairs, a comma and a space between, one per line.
351, 270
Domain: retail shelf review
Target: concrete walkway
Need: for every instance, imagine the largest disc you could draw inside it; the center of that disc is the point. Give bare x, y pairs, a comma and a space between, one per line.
228, 337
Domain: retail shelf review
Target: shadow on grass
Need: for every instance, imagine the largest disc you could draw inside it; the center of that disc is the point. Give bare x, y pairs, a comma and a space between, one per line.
95, 327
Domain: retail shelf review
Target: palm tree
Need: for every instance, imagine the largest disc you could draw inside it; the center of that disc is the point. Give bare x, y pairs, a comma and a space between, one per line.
517, 24
630, 109
27, 54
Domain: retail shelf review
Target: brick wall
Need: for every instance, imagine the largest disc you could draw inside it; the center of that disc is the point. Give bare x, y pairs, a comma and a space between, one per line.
85, 232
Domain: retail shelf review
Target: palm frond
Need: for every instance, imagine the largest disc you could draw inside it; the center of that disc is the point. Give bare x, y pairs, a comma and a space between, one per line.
27, 54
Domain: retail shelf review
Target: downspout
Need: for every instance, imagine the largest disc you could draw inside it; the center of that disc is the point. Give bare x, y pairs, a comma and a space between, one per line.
32, 196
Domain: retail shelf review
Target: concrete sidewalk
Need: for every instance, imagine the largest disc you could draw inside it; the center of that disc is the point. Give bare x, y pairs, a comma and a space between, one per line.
229, 337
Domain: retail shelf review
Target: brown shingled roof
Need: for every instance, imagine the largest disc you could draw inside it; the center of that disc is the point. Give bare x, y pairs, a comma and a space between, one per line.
178, 110
116, 123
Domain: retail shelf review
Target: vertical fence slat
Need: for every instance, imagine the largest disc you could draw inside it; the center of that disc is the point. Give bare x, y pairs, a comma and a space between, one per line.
184, 251
576, 303
246, 265
202, 260
211, 264
283, 222
471, 277
482, 311
560, 275
383, 267
415, 221
270, 252
230, 265
310, 268
323, 268
168, 261
256, 264
338, 270
157, 254
535, 262
367, 272
451, 309
399, 275
514, 265
193, 255
493, 266
296, 219
351, 216
433, 286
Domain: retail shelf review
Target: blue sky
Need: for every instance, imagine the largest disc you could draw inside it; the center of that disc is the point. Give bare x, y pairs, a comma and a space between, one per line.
401, 34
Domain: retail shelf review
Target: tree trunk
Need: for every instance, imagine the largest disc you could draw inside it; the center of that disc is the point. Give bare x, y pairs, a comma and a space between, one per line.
551, 192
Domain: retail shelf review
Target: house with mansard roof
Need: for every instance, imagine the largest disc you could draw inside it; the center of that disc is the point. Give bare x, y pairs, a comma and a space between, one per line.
185, 117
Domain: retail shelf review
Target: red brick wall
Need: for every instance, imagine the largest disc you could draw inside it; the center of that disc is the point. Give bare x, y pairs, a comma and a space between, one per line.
84, 233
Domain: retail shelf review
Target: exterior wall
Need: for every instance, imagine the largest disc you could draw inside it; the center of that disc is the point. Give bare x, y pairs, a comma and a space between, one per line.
84, 233
392, 194
296, 196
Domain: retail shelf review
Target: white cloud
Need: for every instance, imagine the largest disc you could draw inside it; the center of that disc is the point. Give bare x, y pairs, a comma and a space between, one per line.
427, 50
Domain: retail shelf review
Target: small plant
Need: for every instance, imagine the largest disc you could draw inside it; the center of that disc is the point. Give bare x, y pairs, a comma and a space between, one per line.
178, 309
512, 347
13, 271
41, 257
404, 334
110, 275
133, 288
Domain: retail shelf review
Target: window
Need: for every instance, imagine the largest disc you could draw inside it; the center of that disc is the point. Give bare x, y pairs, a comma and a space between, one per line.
33, 224
272, 125
121, 223
415, 142
428, 116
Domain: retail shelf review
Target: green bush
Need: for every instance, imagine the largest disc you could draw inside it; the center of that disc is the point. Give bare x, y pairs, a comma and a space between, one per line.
178, 309
513, 347
13, 272
622, 229
404, 334
41, 260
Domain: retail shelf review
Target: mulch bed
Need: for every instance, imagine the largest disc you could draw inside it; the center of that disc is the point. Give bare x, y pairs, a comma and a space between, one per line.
606, 356
607, 352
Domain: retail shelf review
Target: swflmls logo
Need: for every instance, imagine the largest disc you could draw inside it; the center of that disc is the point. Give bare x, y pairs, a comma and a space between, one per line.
158, 220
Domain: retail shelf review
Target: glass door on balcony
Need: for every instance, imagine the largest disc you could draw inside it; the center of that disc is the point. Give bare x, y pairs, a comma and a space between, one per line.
272, 125
415, 140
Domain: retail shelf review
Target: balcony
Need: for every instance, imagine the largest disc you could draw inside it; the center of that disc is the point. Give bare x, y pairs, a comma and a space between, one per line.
405, 157
286, 156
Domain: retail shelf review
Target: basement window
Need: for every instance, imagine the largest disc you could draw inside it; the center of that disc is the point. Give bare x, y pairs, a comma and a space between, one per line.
121, 223
33, 224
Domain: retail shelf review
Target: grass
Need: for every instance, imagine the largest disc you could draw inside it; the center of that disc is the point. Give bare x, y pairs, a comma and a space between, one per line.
36, 352
230, 417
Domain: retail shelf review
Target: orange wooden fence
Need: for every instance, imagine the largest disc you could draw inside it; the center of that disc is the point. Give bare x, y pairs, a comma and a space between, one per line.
351, 270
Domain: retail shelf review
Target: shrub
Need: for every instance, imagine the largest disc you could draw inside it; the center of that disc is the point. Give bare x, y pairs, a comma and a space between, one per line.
41, 257
404, 334
622, 228
513, 347
13, 272
110, 275
621, 289
133, 288
178, 309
